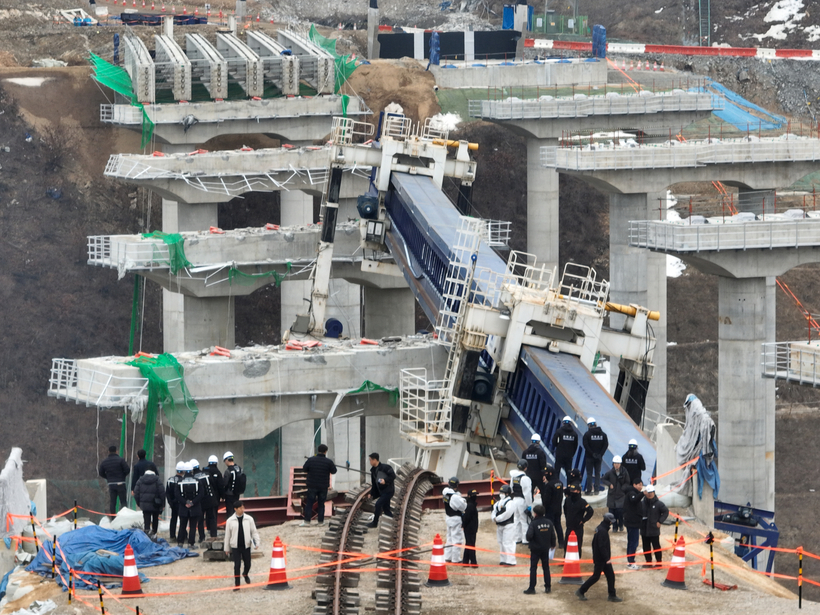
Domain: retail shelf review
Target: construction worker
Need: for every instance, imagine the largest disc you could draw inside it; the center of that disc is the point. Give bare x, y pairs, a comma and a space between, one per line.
318, 468
469, 521
617, 479
564, 443
521, 486
382, 478
536, 462
552, 498
633, 461
234, 482
209, 502
171, 498
633, 519
577, 512
189, 498
601, 554
654, 514
454, 507
595, 444
541, 539
212, 506
504, 517
114, 469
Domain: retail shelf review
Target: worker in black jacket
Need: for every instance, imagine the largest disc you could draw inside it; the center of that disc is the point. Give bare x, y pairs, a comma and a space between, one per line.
595, 444
189, 498
318, 468
633, 519
552, 498
149, 493
564, 443
171, 498
210, 501
541, 540
233, 482
633, 461
617, 479
382, 478
140, 467
601, 554
536, 462
114, 469
469, 523
655, 513
210, 506
577, 512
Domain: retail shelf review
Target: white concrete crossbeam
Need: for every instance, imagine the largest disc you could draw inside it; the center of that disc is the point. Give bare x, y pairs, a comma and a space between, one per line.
318, 67
281, 68
208, 66
140, 68
172, 67
244, 65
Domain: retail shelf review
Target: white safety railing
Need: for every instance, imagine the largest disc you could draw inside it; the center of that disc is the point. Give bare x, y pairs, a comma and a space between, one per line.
398, 127
653, 418
423, 417
549, 107
793, 361
123, 252
344, 129
527, 273
498, 233
579, 285
690, 154
755, 234
71, 381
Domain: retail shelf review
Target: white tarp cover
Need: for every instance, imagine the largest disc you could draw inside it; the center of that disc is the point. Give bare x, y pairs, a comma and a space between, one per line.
698, 436
13, 496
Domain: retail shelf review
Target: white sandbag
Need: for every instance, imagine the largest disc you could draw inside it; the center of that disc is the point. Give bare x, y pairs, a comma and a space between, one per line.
127, 519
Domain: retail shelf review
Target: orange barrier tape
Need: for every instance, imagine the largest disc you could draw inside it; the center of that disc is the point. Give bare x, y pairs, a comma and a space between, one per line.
680, 467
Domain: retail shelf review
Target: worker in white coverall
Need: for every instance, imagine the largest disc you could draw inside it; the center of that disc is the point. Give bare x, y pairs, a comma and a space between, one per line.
521, 486
504, 516
454, 507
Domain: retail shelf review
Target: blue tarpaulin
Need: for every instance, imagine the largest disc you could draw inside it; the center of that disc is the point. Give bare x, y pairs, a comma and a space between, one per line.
80, 549
708, 473
737, 110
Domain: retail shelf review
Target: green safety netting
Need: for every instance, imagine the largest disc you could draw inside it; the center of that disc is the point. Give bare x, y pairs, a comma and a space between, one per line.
248, 279
176, 250
372, 387
344, 65
117, 79
166, 386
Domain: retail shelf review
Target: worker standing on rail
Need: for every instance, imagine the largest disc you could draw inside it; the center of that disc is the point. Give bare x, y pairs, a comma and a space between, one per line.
189, 498
454, 507
617, 479
234, 481
564, 443
382, 478
212, 506
171, 498
522, 499
469, 521
536, 462
318, 468
552, 498
633, 461
577, 512
655, 513
114, 469
241, 536
504, 516
541, 538
595, 444
601, 560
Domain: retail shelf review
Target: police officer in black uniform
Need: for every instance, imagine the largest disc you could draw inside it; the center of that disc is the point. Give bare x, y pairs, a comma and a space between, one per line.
211, 507
189, 499
577, 512
541, 538
595, 445
552, 498
469, 522
171, 498
633, 462
209, 501
564, 443
536, 462
231, 482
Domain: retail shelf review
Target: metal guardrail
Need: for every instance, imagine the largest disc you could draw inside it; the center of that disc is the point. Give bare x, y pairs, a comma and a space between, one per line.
548, 107
422, 419
71, 382
498, 233
119, 252
758, 234
792, 361
691, 154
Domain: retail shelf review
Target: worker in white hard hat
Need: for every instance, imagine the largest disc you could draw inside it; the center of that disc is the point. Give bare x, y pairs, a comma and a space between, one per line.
218, 486
171, 498
633, 461
654, 513
564, 444
595, 445
233, 481
536, 462
617, 480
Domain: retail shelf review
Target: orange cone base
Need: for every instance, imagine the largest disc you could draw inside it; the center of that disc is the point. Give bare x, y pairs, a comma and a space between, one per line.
437, 582
571, 581
278, 586
131, 593
674, 584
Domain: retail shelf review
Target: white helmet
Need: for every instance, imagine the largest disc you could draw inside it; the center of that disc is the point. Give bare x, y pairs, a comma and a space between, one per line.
181, 466
590, 421
227, 455
187, 467
633, 442
567, 420
194, 463
213, 459
536, 437
650, 488
616, 459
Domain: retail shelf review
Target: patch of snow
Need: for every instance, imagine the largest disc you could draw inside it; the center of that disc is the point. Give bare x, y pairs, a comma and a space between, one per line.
671, 343
813, 33
446, 121
785, 10
29, 82
394, 108
660, 10
776, 32
674, 267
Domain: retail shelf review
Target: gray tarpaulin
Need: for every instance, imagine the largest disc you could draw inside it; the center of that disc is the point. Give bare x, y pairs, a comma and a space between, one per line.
698, 439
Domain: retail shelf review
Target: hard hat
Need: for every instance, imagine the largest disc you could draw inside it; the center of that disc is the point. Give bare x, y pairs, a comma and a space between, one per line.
213, 459
650, 488
227, 455
453, 482
522, 464
505, 489
617, 459
566, 419
633, 442
609, 517
180, 466
186, 467
590, 421
536, 437
194, 463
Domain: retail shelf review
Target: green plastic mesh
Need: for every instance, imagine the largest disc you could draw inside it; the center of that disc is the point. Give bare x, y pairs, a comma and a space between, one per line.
249, 279
176, 250
166, 386
117, 79
372, 387
344, 65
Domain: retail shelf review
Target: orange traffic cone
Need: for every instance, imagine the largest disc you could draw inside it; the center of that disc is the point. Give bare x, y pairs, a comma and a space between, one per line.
185, 12
662, 67
196, 10
438, 571
655, 67
130, 575
631, 65
257, 17
572, 564
163, 7
278, 578
647, 65
676, 578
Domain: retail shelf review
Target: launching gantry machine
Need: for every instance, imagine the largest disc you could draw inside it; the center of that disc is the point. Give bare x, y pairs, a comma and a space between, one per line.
522, 342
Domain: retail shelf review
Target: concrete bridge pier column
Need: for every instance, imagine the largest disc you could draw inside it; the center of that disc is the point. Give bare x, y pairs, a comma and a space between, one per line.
746, 400
542, 205
389, 311
296, 207
638, 276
